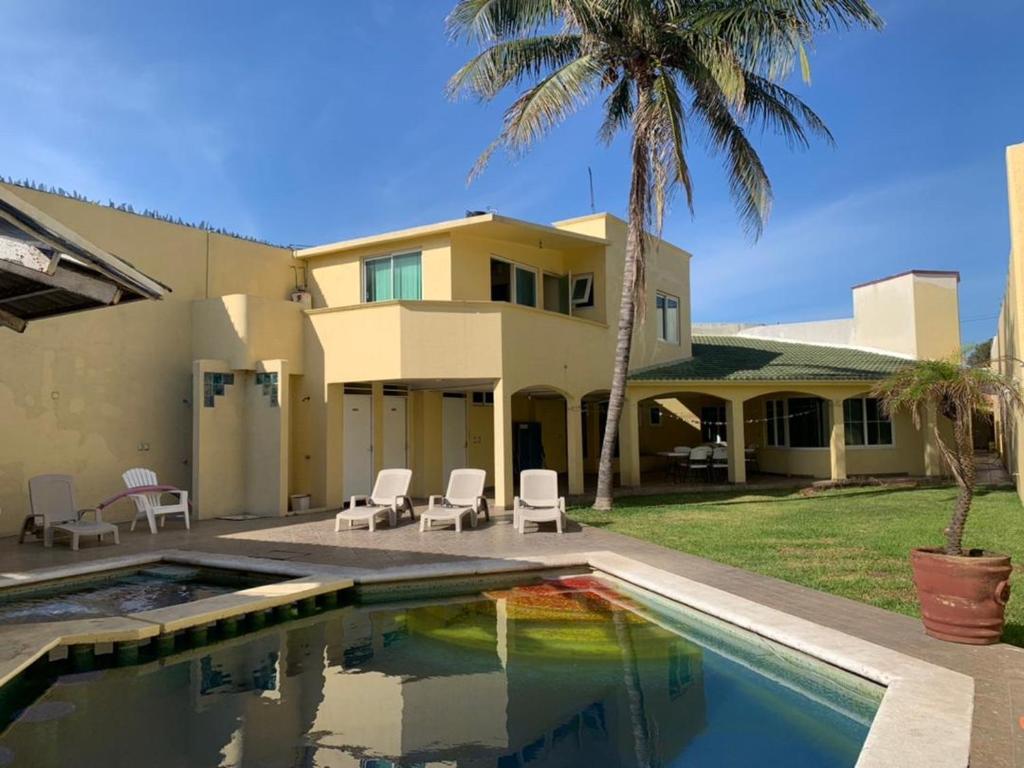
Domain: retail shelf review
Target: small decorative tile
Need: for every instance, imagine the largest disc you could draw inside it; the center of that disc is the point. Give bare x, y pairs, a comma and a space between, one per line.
215, 383
268, 381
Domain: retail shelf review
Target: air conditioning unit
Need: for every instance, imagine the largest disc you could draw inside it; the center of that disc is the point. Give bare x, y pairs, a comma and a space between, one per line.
304, 298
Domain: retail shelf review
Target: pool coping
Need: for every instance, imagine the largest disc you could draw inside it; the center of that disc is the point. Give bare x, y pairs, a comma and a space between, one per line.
924, 720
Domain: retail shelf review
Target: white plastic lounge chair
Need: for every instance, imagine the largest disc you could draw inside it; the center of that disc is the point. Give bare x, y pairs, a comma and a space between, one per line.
150, 505
464, 498
538, 500
700, 459
52, 499
389, 497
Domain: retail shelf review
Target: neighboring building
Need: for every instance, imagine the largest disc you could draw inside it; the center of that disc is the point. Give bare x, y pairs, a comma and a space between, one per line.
1008, 344
483, 341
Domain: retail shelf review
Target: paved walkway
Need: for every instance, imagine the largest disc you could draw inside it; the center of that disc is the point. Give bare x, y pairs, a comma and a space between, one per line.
998, 671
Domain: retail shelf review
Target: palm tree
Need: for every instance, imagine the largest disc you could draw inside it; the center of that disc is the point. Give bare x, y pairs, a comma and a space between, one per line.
662, 66
955, 391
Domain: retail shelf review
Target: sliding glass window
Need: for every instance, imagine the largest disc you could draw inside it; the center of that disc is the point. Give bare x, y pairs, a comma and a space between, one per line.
393, 277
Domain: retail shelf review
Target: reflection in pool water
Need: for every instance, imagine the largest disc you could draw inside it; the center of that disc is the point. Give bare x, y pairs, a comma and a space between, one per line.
564, 673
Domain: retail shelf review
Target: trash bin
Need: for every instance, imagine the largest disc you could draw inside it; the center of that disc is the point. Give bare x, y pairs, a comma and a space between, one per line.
300, 502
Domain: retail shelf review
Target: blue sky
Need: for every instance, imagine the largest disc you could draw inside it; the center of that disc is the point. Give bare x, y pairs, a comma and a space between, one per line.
306, 123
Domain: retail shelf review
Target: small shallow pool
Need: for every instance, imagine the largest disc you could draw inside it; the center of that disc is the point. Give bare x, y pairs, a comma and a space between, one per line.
121, 592
568, 673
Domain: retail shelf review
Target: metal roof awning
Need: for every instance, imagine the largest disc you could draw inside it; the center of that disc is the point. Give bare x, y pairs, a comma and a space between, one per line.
46, 269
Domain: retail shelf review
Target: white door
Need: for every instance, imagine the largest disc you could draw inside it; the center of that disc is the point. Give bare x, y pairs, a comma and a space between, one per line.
395, 451
358, 445
454, 415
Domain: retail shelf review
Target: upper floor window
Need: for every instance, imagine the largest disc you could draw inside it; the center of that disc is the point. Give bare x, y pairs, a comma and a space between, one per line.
865, 423
583, 290
393, 277
511, 282
667, 317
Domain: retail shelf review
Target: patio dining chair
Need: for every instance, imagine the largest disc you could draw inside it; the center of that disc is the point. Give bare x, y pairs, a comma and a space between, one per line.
52, 501
464, 498
719, 461
700, 460
389, 497
538, 500
150, 505
680, 463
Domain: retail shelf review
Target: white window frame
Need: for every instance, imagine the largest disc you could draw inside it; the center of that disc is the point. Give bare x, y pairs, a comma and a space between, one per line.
390, 257
783, 404
864, 423
538, 284
588, 295
661, 319
485, 399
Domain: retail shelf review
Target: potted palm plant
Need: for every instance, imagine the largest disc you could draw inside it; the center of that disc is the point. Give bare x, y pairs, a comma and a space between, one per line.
962, 592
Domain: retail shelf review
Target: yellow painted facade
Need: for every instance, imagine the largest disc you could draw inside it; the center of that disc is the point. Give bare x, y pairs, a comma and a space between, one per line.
230, 388
1008, 344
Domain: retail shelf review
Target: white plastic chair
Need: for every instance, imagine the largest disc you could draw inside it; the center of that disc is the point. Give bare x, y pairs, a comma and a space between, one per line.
389, 497
700, 459
52, 500
150, 505
720, 459
538, 500
464, 498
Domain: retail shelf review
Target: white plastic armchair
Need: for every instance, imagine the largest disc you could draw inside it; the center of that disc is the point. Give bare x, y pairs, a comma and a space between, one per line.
464, 498
538, 500
390, 497
150, 505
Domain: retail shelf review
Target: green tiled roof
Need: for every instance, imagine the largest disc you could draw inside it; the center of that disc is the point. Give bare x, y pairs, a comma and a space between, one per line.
733, 358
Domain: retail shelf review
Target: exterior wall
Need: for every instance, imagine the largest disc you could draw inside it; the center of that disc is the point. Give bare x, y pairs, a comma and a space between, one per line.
95, 393
668, 270
916, 315
839, 332
1008, 347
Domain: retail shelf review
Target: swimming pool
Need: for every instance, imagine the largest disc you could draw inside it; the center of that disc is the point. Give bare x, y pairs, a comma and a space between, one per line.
581, 671
121, 592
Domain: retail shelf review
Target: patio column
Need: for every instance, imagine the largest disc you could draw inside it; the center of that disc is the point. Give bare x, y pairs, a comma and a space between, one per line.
502, 446
837, 441
377, 396
574, 443
737, 441
333, 462
629, 443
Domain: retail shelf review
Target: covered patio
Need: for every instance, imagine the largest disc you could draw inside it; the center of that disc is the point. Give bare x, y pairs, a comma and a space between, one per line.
772, 409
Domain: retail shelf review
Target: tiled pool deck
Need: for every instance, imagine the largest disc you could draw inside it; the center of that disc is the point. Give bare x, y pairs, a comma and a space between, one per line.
998, 671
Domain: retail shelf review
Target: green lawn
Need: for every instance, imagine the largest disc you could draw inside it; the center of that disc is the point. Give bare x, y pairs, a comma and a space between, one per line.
853, 543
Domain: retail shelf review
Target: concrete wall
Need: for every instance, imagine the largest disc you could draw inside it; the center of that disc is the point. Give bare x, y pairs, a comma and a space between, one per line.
916, 314
95, 393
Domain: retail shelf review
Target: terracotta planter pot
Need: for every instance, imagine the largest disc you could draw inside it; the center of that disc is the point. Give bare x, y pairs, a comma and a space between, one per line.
963, 599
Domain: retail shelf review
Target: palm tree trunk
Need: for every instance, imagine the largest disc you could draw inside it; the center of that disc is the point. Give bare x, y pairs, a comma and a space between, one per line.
638, 207
965, 480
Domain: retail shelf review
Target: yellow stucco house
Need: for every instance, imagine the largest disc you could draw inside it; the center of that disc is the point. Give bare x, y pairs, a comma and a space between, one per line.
482, 341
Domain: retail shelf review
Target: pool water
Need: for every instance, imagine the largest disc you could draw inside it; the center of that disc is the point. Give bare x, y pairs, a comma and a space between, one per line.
569, 673
117, 593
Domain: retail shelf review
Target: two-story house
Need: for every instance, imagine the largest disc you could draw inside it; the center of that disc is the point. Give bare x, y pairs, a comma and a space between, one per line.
482, 341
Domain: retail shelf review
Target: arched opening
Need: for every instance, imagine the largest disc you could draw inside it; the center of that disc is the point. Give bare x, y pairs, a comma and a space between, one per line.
539, 431
789, 432
671, 425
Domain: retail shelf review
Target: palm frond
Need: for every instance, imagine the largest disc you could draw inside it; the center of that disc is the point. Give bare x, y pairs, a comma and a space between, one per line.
544, 106
510, 62
783, 112
618, 110
668, 144
489, 20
